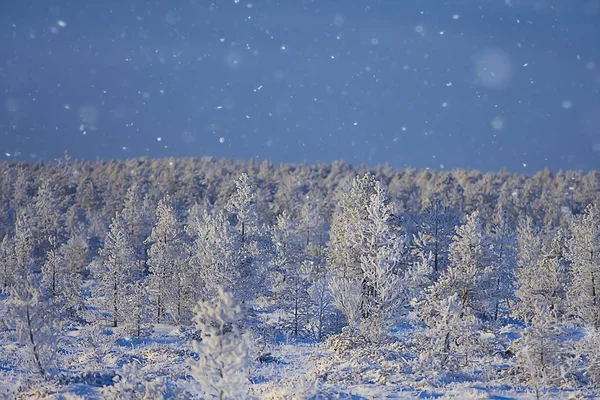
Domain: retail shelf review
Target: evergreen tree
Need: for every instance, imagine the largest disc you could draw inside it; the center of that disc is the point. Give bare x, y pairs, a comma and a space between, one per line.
138, 310
47, 220
540, 352
242, 205
7, 263
224, 351
214, 254
530, 263
584, 255
115, 271
252, 258
502, 260
167, 260
349, 218
379, 262
292, 288
23, 242
435, 230
450, 338
450, 307
32, 315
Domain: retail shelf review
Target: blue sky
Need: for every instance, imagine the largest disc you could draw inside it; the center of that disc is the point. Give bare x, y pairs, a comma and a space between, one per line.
443, 84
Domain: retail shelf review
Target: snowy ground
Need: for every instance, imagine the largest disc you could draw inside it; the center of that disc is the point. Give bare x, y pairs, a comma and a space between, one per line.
301, 370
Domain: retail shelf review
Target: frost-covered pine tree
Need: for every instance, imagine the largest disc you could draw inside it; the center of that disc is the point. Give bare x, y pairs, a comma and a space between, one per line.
418, 277
468, 270
379, 262
435, 230
7, 263
242, 205
32, 315
529, 243
74, 255
167, 258
214, 251
365, 249
291, 286
47, 219
116, 269
450, 307
23, 245
584, 254
51, 269
95, 345
322, 306
530, 263
450, 338
349, 220
502, 260
540, 353
222, 367
543, 284
312, 229
252, 259
135, 215
138, 310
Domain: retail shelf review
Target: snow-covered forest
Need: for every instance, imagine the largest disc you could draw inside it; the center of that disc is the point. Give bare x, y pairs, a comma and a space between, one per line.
208, 278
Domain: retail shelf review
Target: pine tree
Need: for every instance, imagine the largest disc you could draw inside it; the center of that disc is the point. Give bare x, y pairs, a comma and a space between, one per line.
347, 296
52, 269
349, 218
75, 254
23, 242
540, 352
381, 255
7, 263
419, 276
450, 307
47, 219
366, 248
435, 230
242, 205
166, 263
115, 271
33, 317
138, 310
214, 252
137, 220
584, 254
502, 260
468, 270
252, 261
450, 338
292, 288
224, 351
322, 305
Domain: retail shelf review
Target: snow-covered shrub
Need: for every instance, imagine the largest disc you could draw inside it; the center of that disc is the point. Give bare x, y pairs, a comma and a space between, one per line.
350, 338
589, 348
130, 384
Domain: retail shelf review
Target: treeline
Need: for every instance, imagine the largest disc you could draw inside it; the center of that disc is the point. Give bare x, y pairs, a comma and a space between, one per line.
335, 251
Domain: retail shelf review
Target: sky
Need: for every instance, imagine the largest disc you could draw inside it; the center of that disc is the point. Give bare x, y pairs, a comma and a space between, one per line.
485, 84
